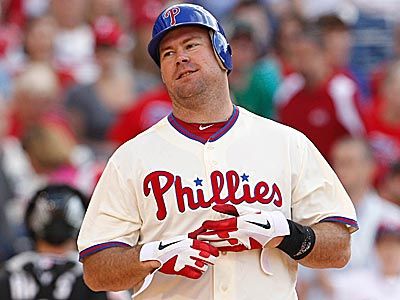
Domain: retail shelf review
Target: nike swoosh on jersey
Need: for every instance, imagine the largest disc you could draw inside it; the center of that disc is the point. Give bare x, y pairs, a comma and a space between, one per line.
265, 226
161, 246
201, 127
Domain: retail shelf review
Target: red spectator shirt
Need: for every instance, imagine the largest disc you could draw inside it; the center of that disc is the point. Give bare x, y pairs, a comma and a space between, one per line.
383, 137
323, 114
150, 108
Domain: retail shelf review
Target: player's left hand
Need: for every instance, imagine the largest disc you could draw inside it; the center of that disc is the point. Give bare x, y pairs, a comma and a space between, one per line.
243, 228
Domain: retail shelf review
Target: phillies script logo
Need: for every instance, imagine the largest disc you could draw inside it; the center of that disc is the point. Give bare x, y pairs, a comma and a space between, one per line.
171, 13
160, 182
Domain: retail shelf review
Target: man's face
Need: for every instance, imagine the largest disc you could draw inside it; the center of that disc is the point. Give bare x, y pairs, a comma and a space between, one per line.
350, 162
40, 39
188, 63
245, 52
338, 44
309, 57
388, 248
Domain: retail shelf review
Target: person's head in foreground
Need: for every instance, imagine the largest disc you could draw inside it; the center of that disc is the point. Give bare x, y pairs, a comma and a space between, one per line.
53, 218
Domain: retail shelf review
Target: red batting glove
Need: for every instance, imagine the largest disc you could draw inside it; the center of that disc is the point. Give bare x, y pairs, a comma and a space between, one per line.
244, 228
180, 256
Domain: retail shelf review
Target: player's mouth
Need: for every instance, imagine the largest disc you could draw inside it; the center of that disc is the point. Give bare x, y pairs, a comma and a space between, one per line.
185, 74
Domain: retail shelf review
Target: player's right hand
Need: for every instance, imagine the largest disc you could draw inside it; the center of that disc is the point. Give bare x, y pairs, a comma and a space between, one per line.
180, 256
241, 228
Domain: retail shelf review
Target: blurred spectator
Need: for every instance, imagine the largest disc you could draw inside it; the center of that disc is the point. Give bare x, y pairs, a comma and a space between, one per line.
36, 95
255, 77
51, 270
382, 121
353, 162
371, 24
94, 107
381, 282
74, 42
253, 80
390, 185
18, 172
379, 74
49, 147
39, 47
49, 155
337, 41
119, 12
39, 39
289, 31
143, 14
147, 110
319, 101
115, 9
19, 183
256, 14
56, 158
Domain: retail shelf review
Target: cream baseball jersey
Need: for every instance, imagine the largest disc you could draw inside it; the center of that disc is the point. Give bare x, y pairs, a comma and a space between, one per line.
164, 182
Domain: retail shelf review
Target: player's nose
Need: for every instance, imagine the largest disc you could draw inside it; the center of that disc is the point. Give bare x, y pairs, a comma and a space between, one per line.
182, 57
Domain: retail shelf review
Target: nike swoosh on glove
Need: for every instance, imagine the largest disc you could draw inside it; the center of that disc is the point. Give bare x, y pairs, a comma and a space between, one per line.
243, 228
179, 255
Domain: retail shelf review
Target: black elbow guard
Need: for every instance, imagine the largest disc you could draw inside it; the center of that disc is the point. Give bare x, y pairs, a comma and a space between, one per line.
300, 242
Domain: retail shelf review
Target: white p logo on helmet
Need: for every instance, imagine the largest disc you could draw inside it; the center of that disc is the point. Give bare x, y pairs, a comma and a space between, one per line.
171, 13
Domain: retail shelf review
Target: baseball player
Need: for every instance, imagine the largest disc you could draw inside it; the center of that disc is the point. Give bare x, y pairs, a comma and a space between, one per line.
51, 271
212, 202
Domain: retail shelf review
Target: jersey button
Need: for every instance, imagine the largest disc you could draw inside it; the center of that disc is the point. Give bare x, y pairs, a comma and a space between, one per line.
223, 252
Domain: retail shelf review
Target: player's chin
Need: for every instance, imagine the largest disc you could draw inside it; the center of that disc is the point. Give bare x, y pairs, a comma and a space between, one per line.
187, 91
190, 89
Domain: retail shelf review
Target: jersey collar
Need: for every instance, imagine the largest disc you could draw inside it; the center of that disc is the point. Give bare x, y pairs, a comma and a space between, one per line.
182, 130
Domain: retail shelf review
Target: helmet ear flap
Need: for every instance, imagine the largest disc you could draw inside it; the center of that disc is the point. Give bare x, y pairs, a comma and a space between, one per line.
222, 50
